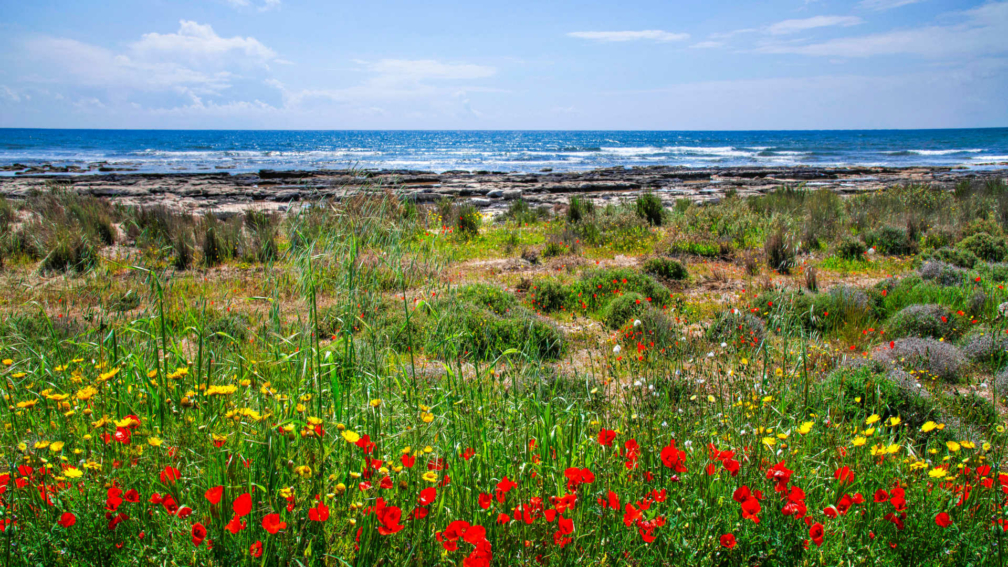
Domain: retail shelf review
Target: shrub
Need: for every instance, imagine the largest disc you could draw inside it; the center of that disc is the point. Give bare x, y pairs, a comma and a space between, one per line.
666, 268
854, 392
935, 359
561, 243
779, 253
520, 212
579, 209
943, 274
469, 220
625, 308
850, 249
986, 347
487, 296
549, 296
70, 252
598, 287
486, 334
738, 328
935, 321
824, 215
956, 257
649, 207
891, 241
985, 247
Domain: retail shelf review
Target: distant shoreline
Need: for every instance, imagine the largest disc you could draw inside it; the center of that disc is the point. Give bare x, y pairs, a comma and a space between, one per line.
225, 192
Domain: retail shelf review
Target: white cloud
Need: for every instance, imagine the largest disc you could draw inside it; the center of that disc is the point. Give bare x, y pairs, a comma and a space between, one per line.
407, 70
643, 35
879, 5
707, 45
199, 41
265, 6
795, 26
981, 33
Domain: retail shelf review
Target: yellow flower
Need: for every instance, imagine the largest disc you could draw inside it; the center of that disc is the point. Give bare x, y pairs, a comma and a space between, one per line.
872, 419
769, 441
778, 372
428, 449
376, 402
894, 421
304, 471
952, 446
350, 436
805, 427
711, 399
108, 375
968, 444
928, 426
7, 362
430, 476
73, 472
937, 473
27, 404
56, 447
221, 390
859, 441
18, 375
427, 417
152, 374
154, 441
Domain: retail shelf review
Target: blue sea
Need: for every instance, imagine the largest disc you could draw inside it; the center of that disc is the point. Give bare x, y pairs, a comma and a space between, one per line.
524, 151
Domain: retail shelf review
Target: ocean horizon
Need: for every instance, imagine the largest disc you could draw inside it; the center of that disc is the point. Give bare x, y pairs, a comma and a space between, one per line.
186, 151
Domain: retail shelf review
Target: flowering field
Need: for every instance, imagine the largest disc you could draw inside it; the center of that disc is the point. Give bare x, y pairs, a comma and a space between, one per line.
379, 383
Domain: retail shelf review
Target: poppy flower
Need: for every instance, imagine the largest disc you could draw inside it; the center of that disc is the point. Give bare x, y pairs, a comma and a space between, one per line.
184, 512
408, 461
255, 550
214, 494
388, 518
881, 496
728, 541
816, 532
942, 520
272, 524
468, 453
235, 525
606, 436
427, 496
169, 475
199, 534
132, 496
484, 500
242, 505
67, 519
319, 513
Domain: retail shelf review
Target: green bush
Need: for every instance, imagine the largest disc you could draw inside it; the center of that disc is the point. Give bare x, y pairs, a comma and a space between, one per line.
956, 256
927, 358
520, 212
851, 394
649, 207
487, 296
626, 307
985, 247
598, 287
549, 296
850, 248
469, 220
935, 321
780, 254
891, 241
70, 252
666, 268
579, 209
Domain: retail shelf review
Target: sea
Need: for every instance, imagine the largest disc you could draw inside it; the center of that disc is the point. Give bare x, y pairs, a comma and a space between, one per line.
161, 151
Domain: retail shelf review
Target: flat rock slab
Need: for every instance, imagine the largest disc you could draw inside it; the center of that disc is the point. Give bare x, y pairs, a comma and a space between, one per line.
224, 192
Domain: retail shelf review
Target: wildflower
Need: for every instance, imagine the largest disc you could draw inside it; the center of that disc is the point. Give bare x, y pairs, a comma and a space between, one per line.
319, 513
154, 441
242, 505
350, 436
728, 541
805, 428
816, 532
942, 520
937, 473
873, 418
272, 524
199, 534
952, 446
430, 476
256, 549
427, 496
213, 495
67, 519
928, 426
388, 518
73, 472
304, 471
375, 402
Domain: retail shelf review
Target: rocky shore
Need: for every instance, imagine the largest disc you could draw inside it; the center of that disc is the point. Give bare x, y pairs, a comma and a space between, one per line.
226, 192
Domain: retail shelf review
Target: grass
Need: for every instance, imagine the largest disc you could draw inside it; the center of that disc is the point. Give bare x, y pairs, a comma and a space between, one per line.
380, 382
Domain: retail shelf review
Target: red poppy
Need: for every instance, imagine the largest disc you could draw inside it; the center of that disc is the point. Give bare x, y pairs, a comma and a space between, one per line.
67, 519
242, 505
427, 496
214, 494
408, 461
170, 475
272, 524
606, 436
388, 518
816, 532
881, 496
255, 550
485, 500
132, 496
184, 512
319, 513
199, 534
468, 453
943, 520
728, 541
235, 525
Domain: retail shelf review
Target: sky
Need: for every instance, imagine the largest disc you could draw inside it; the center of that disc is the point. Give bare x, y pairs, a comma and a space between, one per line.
403, 64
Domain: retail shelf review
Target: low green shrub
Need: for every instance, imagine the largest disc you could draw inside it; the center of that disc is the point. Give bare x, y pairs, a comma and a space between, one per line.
666, 268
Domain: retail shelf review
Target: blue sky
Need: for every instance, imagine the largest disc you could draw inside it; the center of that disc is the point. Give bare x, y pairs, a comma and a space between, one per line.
780, 64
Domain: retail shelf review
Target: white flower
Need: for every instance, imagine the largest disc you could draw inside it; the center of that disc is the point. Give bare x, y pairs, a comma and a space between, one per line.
636, 322
723, 345
616, 349
636, 383
710, 354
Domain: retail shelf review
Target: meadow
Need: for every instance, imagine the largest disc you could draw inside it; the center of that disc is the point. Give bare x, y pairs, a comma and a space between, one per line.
790, 379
